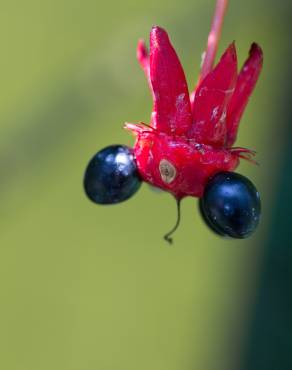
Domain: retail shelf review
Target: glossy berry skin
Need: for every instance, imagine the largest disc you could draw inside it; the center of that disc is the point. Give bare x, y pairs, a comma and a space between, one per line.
111, 175
231, 205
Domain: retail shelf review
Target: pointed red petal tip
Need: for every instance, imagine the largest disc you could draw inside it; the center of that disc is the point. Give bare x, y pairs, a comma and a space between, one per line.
158, 36
143, 58
228, 60
256, 53
142, 52
231, 52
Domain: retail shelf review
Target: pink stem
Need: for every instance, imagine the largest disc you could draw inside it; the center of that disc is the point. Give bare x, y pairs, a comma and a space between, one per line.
213, 38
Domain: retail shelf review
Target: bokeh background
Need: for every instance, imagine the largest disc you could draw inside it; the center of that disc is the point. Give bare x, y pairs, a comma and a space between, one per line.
86, 287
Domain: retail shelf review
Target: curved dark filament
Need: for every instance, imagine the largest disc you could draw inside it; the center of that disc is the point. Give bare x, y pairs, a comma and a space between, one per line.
167, 236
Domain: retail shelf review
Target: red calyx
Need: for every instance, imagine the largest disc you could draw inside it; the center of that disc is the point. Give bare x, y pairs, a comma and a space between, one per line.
189, 140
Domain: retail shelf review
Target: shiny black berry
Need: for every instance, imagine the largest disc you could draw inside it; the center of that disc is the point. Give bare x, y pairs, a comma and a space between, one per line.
111, 175
231, 205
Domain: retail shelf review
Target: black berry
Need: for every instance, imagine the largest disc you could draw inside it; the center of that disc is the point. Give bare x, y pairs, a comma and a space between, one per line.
231, 205
111, 175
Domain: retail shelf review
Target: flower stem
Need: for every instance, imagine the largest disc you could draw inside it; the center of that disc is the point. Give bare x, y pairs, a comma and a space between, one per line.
167, 236
213, 38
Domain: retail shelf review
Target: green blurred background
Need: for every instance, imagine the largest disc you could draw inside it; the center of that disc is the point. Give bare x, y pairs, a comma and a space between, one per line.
87, 287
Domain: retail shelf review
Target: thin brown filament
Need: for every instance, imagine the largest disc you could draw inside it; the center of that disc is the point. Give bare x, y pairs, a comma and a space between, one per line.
167, 236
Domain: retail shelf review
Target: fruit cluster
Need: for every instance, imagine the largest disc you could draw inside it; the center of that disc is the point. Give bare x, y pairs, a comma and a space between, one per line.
187, 150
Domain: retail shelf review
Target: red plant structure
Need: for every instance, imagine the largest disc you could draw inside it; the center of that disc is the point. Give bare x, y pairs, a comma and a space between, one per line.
190, 138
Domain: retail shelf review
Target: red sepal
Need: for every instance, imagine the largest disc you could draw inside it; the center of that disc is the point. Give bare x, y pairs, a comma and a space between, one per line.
211, 99
171, 107
143, 59
193, 164
246, 82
